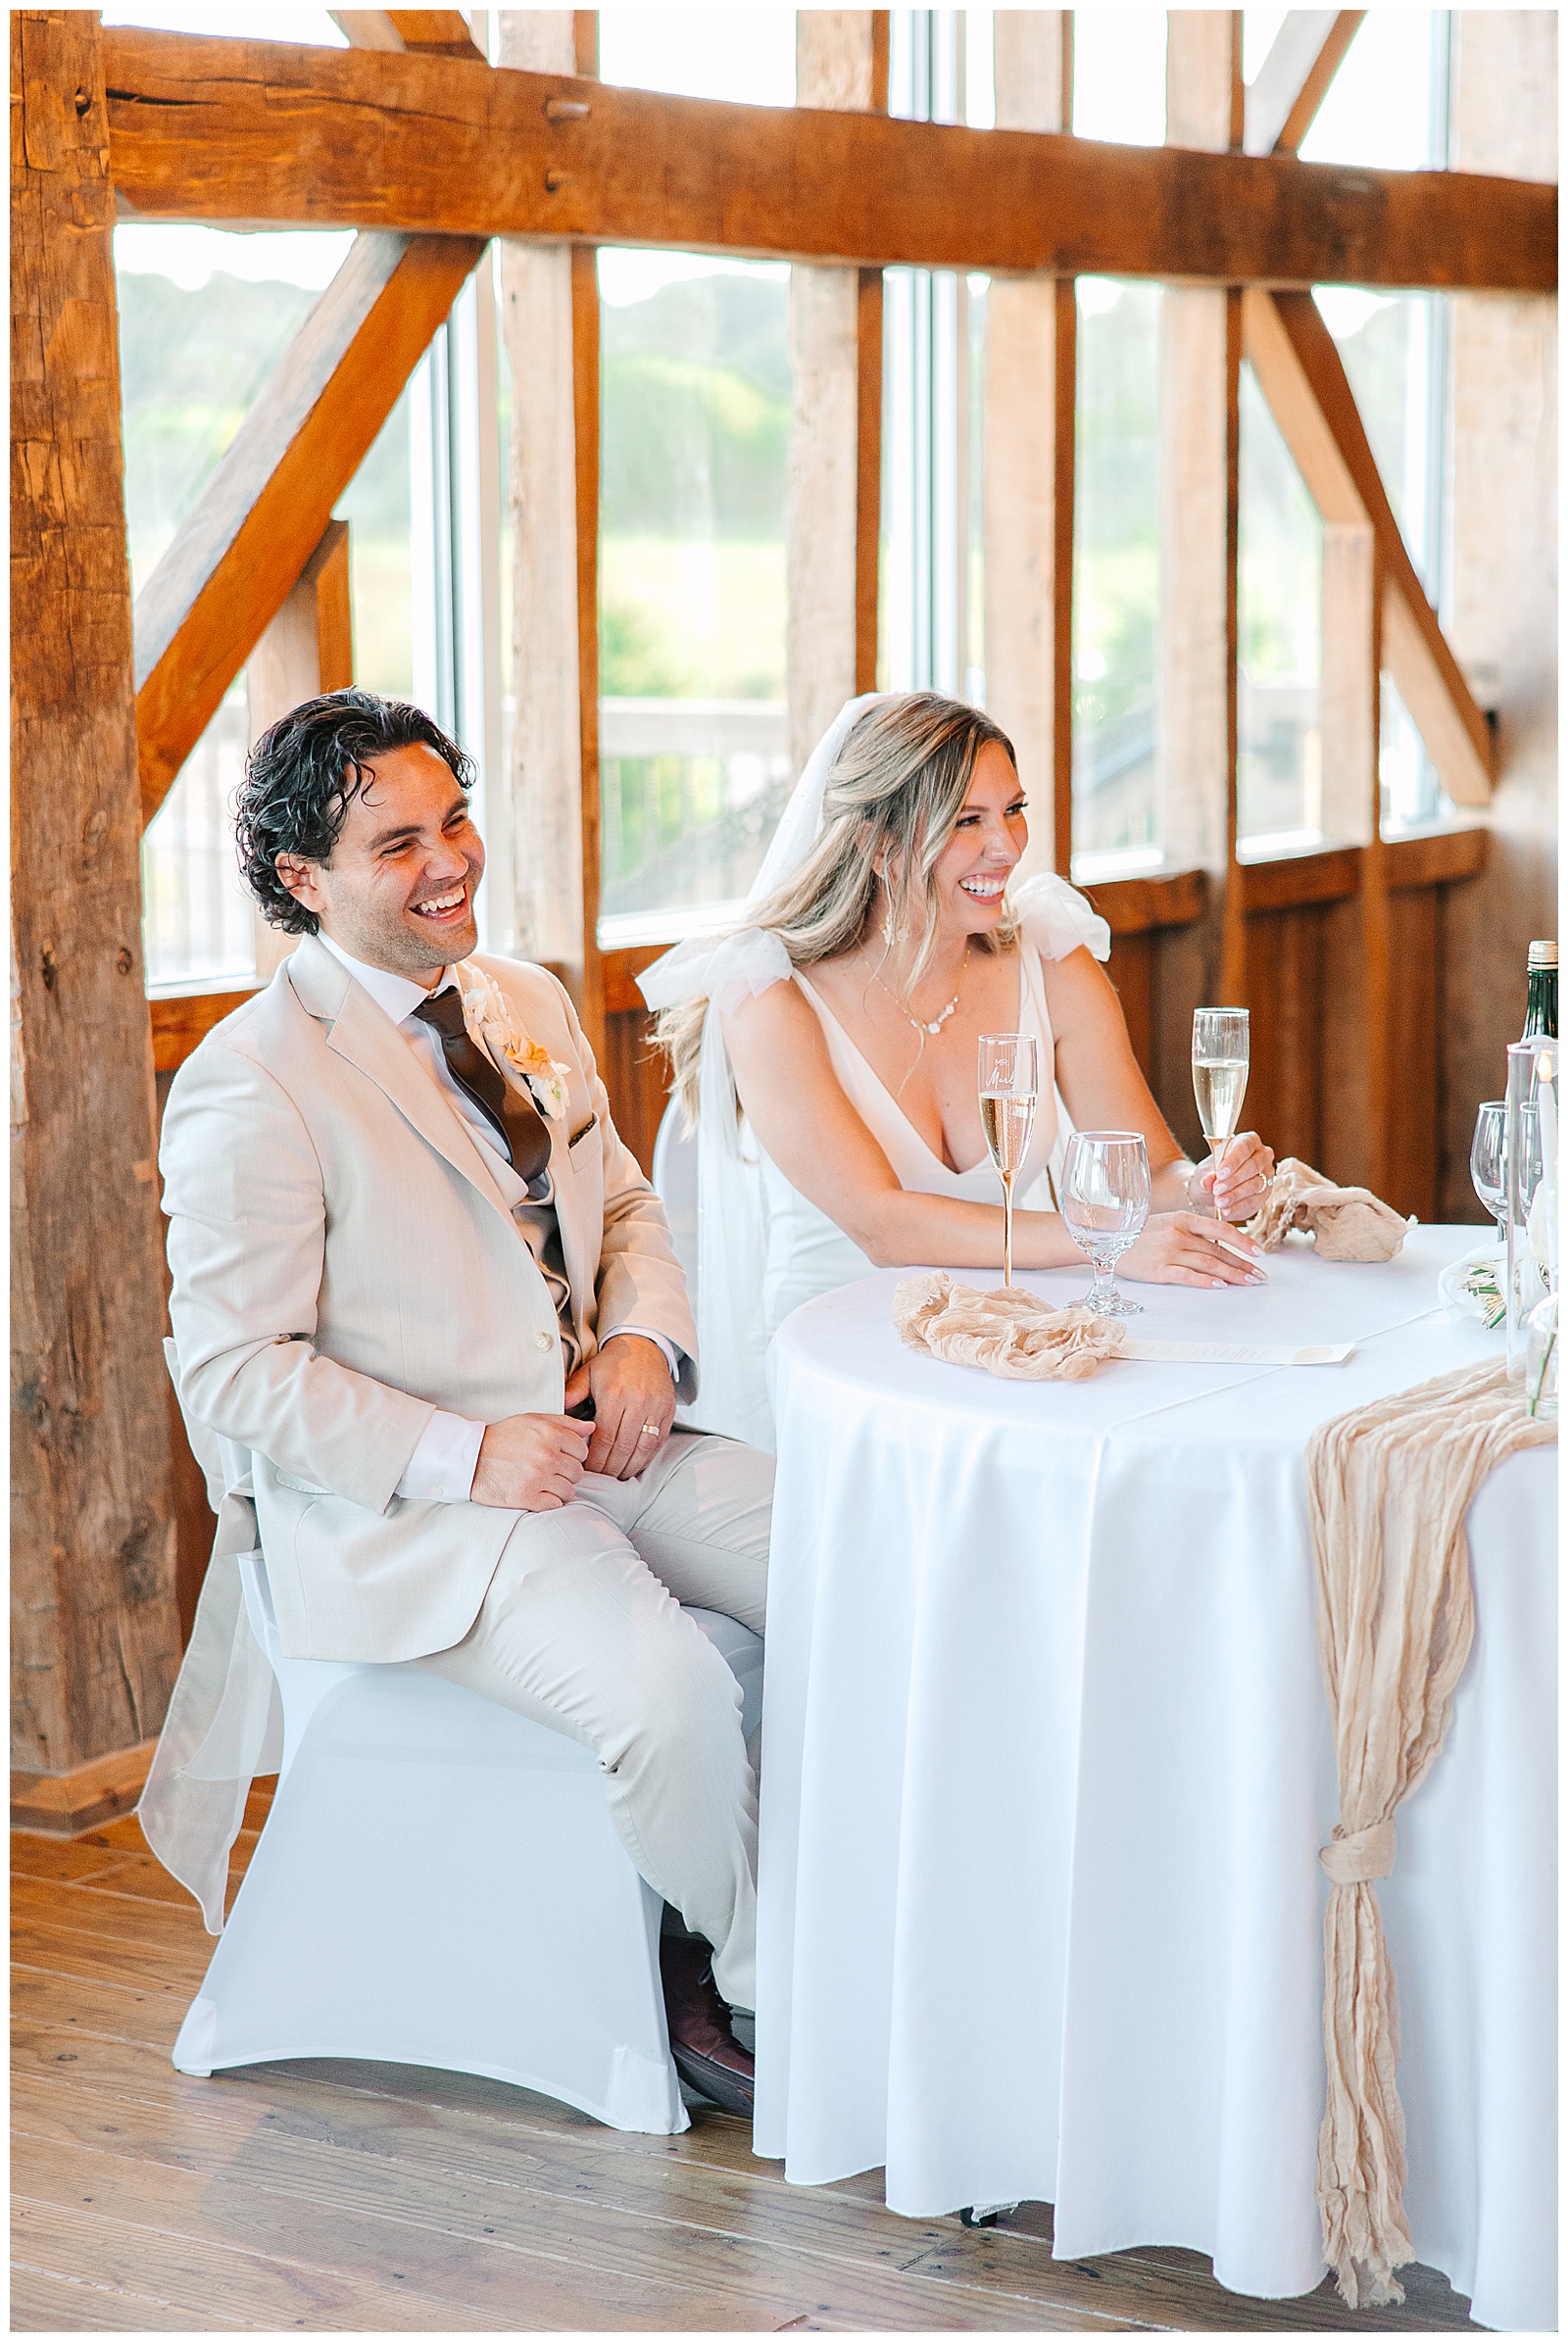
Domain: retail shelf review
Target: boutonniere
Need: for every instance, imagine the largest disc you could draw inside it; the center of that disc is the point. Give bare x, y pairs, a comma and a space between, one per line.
485, 1006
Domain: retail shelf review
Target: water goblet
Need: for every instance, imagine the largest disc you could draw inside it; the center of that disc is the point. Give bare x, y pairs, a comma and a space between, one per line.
1104, 1202
1488, 1169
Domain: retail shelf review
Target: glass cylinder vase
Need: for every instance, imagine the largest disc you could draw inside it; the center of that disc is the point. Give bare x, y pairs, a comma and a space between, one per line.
1531, 1183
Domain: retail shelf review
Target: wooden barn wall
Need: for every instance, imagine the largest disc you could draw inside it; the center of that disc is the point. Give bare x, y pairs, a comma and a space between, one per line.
1304, 951
1503, 613
1290, 935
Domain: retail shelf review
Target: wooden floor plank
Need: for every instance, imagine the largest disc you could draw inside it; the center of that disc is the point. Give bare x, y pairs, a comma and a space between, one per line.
95, 1910
440, 2249
72, 1954
458, 2229
115, 2012
1189, 2296
263, 2292
46, 2304
76, 1858
328, 2195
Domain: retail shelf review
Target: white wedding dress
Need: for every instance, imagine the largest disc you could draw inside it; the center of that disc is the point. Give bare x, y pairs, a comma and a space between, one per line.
762, 1247
807, 1253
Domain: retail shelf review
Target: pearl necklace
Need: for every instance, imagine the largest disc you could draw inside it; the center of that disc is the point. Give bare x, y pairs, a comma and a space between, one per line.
918, 1022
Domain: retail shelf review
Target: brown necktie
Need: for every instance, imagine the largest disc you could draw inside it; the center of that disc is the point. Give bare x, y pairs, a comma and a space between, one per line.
516, 1120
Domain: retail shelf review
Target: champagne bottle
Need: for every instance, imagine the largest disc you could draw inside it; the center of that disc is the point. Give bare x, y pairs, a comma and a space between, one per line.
1540, 1005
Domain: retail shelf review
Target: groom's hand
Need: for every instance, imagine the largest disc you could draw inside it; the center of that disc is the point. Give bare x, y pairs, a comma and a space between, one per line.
530, 1463
630, 1385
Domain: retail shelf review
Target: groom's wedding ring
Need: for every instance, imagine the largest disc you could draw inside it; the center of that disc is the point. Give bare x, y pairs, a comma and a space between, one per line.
650, 1431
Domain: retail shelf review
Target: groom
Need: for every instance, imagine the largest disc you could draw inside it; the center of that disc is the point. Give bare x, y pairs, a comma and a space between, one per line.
419, 1275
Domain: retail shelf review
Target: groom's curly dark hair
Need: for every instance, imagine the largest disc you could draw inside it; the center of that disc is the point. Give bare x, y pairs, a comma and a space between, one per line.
299, 778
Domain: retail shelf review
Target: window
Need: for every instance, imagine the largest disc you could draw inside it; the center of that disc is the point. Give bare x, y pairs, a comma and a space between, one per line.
1116, 538
1118, 75
932, 557
1119, 95
312, 27
696, 402
1388, 106
1279, 780
697, 394
204, 317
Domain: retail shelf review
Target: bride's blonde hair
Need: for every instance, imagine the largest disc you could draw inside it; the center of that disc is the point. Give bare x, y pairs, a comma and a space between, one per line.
892, 803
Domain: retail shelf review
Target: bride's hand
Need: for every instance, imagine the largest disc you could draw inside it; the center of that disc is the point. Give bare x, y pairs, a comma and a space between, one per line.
1183, 1248
1245, 1171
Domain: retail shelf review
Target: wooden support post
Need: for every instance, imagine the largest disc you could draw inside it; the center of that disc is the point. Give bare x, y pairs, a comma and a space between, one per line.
586, 414
1348, 705
549, 318
1502, 613
1200, 416
1029, 440
1376, 972
868, 421
1062, 553
309, 648
834, 314
95, 1636
869, 470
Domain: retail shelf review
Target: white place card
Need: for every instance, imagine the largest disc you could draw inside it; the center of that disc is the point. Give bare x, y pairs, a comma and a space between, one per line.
1236, 1353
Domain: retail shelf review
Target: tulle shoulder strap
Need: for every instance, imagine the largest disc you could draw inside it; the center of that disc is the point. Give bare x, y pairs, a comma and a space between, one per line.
1057, 920
725, 969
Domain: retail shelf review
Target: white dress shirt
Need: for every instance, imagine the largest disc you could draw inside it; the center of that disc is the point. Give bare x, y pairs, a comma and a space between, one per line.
442, 1466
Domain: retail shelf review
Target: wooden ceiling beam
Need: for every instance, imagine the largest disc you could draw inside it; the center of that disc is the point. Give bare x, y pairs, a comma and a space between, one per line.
1289, 85
263, 512
265, 134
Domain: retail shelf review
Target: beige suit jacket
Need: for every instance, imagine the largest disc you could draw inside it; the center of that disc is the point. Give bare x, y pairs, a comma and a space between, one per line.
344, 1264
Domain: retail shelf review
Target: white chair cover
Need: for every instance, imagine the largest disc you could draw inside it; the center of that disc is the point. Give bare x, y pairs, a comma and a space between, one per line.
225, 1719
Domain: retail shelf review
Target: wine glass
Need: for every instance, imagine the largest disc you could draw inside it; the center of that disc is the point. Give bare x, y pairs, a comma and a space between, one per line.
1010, 1089
1220, 1056
1486, 1167
1105, 1202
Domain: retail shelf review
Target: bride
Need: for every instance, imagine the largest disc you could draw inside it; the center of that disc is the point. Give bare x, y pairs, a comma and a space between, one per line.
827, 1050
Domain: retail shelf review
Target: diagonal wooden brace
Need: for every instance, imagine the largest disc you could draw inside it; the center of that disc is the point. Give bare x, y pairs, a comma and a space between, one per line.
262, 514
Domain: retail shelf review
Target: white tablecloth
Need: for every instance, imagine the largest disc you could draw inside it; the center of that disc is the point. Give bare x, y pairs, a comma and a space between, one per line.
1047, 1766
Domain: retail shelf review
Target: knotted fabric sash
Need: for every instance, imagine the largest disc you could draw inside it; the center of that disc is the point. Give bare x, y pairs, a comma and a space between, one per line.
1387, 1490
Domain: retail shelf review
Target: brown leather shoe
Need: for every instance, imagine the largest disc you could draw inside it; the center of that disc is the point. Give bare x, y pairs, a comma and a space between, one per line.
706, 2052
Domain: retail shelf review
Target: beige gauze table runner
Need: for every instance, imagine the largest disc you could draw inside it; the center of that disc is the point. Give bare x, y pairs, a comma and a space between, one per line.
1387, 1490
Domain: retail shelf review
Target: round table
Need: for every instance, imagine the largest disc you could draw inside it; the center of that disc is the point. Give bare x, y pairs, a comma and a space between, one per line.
1048, 1765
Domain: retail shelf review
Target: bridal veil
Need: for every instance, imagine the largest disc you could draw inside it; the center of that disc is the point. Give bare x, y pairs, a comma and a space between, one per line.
731, 1194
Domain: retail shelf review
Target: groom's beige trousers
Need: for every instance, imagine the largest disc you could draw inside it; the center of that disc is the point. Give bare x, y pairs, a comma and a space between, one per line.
582, 1630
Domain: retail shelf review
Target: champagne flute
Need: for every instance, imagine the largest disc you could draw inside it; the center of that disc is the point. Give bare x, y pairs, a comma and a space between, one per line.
1487, 1171
1010, 1089
1221, 1055
1104, 1202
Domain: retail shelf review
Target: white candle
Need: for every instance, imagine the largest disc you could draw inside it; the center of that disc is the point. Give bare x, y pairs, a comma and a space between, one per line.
1546, 1115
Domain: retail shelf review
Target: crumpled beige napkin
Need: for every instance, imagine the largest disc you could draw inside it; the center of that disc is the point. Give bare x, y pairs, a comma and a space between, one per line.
1349, 1223
1008, 1333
